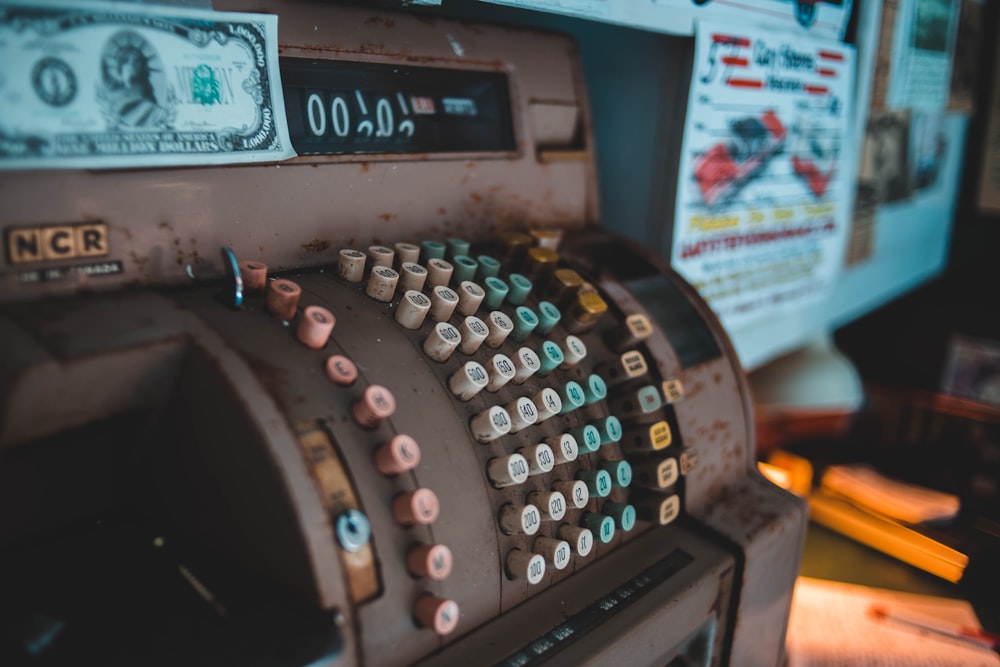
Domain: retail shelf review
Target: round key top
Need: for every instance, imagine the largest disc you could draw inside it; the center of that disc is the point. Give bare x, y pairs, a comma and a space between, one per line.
443, 303
622, 513
540, 458
552, 504
468, 380
441, 342
595, 390
397, 456
465, 268
516, 519
341, 370
412, 276
524, 565
474, 332
525, 322
456, 246
254, 275
283, 298
376, 403
581, 538
575, 491
588, 437
470, 296
407, 252
500, 327
551, 356
526, 364
620, 472
574, 351
520, 287
548, 317
382, 283
436, 613
315, 327
439, 272
548, 403
490, 424
351, 265
572, 397
418, 507
501, 371
507, 470
598, 482
557, 553
610, 429
433, 561
412, 309
496, 291
431, 250
523, 414
564, 448
602, 526
487, 268
380, 255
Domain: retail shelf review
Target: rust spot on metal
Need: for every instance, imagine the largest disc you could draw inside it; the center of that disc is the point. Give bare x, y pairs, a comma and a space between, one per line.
316, 246
442, 211
166, 225
365, 167
388, 216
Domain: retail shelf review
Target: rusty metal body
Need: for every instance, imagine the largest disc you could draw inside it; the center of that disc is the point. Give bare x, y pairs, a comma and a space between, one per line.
236, 445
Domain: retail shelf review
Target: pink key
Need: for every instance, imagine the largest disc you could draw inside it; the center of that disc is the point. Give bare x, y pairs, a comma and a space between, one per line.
400, 454
433, 561
341, 370
315, 327
376, 404
254, 275
437, 614
420, 507
283, 298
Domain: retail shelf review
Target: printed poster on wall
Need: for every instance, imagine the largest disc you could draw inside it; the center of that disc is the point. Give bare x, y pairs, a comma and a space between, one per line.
763, 203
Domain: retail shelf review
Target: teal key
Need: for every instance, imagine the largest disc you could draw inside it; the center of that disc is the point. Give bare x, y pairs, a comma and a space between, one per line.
595, 390
525, 322
588, 438
457, 247
610, 428
465, 268
622, 513
598, 482
572, 397
620, 472
551, 356
548, 317
431, 250
520, 287
488, 268
601, 526
496, 290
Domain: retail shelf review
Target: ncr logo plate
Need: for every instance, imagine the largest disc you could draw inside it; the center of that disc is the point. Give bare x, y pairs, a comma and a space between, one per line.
46, 243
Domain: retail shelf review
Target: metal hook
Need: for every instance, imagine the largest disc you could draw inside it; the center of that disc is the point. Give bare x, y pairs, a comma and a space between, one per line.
229, 259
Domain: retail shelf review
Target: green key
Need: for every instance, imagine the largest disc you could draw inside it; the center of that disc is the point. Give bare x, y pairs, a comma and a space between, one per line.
551, 356
520, 287
431, 250
457, 247
598, 482
619, 471
595, 390
488, 268
525, 322
622, 513
601, 526
572, 397
548, 317
610, 429
496, 290
588, 438
465, 268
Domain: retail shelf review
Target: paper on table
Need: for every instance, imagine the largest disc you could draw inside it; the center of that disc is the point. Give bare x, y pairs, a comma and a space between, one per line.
831, 625
909, 503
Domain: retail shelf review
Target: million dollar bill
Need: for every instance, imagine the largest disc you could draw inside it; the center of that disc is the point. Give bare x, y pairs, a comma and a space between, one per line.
107, 85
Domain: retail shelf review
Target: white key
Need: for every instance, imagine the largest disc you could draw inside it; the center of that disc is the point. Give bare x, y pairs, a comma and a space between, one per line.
564, 447
548, 403
382, 283
441, 342
468, 380
351, 265
574, 351
501, 370
552, 504
558, 553
412, 309
490, 424
575, 491
470, 297
524, 565
439, 272
582, 539
443, 302
380, 255
412, 276
518, 519
474, 332
507, 470
500, 327
540, 458
526, 364
522, 414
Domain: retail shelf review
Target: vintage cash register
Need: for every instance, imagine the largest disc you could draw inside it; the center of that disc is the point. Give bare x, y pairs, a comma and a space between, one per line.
397, 400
